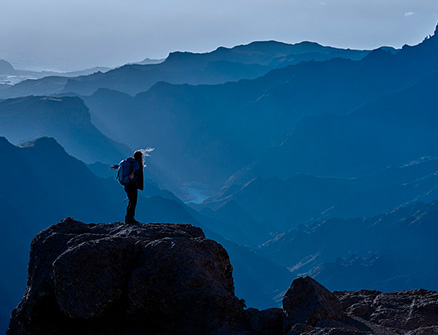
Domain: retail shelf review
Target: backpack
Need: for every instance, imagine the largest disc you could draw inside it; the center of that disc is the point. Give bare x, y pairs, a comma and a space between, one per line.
124, 171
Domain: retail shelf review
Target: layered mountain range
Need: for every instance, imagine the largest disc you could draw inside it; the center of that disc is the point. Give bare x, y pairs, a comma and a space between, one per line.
10, 76
65, 118
219, 134
284, 204
300, 159
388, 252
219, 66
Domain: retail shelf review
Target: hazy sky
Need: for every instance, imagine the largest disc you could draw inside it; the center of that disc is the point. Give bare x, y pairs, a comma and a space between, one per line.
75, 34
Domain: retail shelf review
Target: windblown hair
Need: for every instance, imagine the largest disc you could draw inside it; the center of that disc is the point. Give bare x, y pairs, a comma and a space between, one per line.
139, 154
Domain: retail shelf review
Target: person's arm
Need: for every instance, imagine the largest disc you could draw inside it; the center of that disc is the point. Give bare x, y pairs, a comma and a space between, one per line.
114, 167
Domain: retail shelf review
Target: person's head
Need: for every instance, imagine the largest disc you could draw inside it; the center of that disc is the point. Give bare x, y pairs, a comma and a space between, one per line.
138, 155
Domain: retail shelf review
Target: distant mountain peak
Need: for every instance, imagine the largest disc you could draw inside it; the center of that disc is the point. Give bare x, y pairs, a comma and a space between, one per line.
377, 54
149, 61
4, 142
47, 144
431, 38
6, 67
434, 37
38, 142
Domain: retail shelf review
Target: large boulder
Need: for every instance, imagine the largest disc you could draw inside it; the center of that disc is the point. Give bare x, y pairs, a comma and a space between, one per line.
308, 302
115, 278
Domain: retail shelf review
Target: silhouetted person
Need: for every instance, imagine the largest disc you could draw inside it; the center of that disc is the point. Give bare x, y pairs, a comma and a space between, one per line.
133, 183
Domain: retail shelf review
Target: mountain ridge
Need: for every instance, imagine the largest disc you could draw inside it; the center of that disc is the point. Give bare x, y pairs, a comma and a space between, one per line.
328, 144
65, 118
218, 66
387, 252
236, 122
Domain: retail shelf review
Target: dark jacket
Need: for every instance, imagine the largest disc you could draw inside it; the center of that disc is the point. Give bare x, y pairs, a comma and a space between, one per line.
138, 173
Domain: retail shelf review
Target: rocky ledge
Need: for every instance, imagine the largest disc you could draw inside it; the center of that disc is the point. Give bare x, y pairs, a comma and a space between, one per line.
113, 278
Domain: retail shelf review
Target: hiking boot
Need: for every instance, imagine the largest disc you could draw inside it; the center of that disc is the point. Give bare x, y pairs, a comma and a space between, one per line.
130, 221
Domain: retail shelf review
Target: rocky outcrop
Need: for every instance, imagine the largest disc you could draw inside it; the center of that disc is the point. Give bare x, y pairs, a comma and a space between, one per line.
127, 279
266, 322
407, 312
308, 302
114, 278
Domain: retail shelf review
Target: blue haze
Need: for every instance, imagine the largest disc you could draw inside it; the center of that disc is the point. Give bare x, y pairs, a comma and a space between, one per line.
292, 147
82, 34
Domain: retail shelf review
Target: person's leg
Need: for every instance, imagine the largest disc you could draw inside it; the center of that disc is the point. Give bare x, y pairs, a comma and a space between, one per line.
133, 202
132, 192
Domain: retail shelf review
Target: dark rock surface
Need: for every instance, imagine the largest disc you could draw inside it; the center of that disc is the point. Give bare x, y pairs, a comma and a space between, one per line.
406, 312
114, 278
308, 302
266, 322
124, 279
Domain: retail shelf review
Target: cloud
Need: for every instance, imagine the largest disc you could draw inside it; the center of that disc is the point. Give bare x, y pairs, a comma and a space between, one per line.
409, 14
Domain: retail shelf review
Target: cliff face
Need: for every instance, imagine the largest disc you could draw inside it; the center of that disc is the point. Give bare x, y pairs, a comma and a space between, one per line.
114, 278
